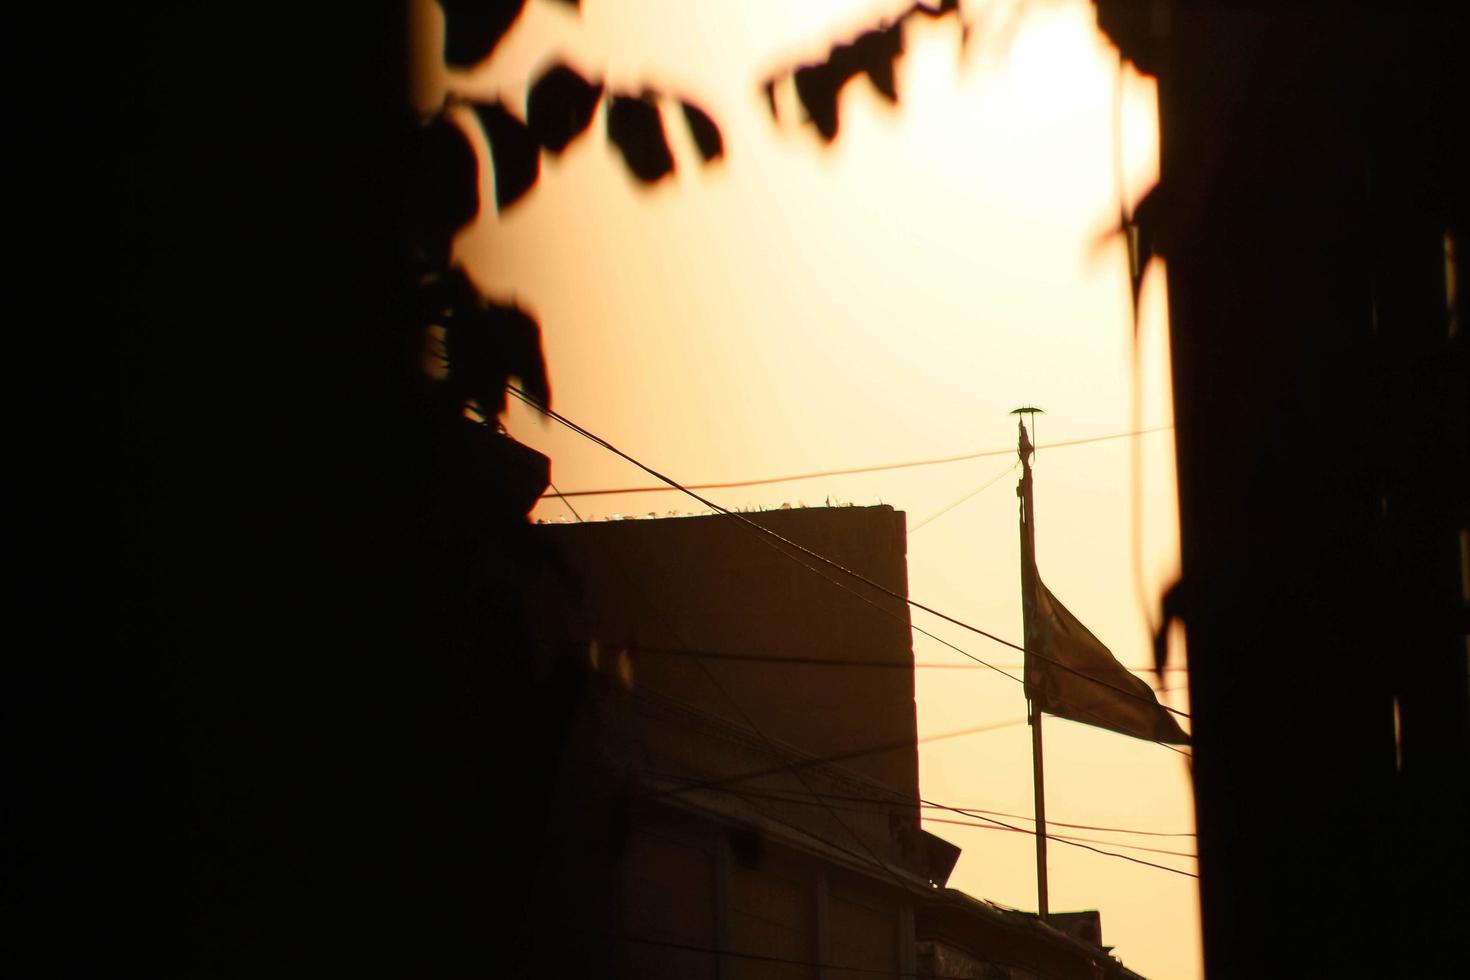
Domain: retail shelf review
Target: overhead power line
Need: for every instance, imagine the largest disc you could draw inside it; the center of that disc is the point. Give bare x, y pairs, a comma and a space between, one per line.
989, 824
898, 800
768, 658
976, 811
846, 755
1072, 843
1066, 838
980, 811
725, 784
770, 745
851, 471
949, 507
748, 794
767, 532
821, 799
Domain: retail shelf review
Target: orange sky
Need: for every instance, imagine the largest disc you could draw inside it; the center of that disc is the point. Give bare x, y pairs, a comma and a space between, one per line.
800, 307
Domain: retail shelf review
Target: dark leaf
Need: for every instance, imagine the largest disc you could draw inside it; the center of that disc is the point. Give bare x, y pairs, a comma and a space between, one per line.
517, 157
443, 189
521, 348
486, 347
817, 87
846, 61
706, 134
872, 53
875, 51
559, 106
472, 28
634, 126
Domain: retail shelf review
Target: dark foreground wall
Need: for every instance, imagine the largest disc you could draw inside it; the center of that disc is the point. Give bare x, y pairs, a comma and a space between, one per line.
1314, 177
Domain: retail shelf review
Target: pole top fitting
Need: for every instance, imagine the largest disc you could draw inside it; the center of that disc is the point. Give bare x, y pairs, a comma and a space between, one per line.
1024, 447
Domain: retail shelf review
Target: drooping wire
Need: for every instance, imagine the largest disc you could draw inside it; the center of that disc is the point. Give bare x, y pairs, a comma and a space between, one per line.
1085, 847
725, 784
792, 768
748, 794
976, 811
946, 509
990, 823
1068, 838
964, 810
770, 745
767, 532
919, 629
763, 658
851, 471
844, 756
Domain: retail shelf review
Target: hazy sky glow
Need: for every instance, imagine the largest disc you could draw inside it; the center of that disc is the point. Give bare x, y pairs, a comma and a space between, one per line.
800, 307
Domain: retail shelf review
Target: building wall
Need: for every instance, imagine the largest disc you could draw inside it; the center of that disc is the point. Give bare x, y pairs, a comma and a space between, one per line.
732, 703
697, 901
677, 591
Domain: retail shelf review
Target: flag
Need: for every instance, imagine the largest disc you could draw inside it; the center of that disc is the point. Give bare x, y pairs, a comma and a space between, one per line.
1069, 673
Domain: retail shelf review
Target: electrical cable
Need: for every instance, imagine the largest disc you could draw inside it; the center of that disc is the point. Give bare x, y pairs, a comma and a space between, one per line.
990, 824
760, 658
1067, 838
763, 533
945, 510
770, 745
767, 532
844, 756
565, 502
781, 798
1074, 826
792, 769
896, 800
1085, 847
722, 784
905, 620
855, 470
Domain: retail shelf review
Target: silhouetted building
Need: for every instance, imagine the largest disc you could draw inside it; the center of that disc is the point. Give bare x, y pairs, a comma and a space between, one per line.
749, 734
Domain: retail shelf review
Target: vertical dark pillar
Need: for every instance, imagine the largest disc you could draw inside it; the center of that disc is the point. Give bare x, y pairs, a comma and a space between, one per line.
1310, 165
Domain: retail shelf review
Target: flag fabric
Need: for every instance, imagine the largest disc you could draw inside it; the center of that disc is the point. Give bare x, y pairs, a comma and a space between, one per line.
1069, 673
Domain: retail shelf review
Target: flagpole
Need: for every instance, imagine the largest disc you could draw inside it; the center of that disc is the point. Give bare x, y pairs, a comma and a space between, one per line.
1039, 783
1024, 449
